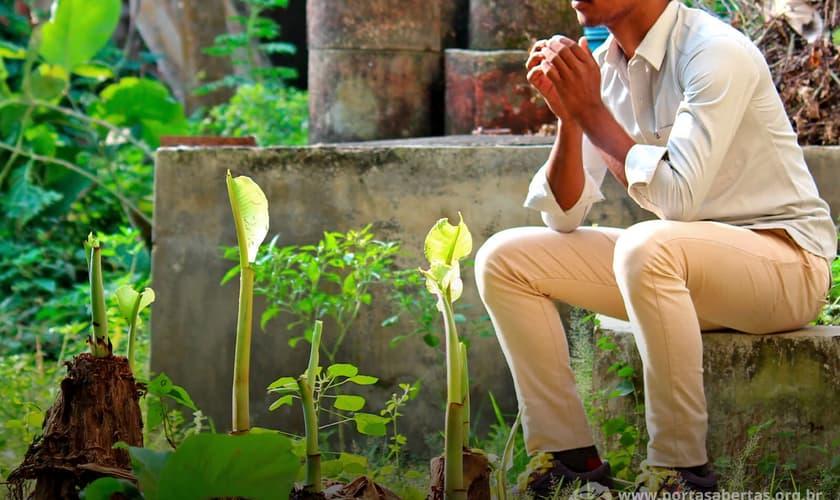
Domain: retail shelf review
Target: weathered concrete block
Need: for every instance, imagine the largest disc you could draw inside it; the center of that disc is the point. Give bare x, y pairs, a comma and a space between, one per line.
373, 24
516, 24
360, 95
489, 89
792, 378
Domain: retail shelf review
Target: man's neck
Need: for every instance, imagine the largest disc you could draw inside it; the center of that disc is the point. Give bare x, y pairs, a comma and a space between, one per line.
631, 28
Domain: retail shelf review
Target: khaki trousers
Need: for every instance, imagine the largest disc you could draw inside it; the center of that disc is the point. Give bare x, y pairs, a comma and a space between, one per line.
671, 280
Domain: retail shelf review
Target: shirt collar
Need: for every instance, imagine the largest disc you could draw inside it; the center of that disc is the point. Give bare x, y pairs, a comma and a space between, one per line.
654, 43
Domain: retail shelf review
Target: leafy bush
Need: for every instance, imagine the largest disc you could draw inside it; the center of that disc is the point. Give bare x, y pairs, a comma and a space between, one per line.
274, 114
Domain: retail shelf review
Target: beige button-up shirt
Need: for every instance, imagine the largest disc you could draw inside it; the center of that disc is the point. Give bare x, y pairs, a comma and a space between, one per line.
713, 139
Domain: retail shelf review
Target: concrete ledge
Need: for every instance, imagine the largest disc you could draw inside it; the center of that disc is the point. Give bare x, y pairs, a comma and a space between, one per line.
792, 378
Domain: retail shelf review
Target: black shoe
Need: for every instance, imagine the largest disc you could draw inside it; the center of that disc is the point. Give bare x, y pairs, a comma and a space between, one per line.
545, 474
657, 480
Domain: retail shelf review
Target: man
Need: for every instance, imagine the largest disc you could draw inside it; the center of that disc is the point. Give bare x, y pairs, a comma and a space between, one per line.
681, 109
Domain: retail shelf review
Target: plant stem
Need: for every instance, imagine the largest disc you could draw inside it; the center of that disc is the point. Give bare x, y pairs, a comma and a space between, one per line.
306, 383
453, 440
507, 455
242, 356
132, 330
100, 344
465, 392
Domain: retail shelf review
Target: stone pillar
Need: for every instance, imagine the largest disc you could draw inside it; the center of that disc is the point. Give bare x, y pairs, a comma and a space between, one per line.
516, 24
374, 69
488, 89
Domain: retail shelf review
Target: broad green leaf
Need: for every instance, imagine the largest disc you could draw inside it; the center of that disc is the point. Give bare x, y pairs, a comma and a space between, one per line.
147, 466
342, 370
24, 199
104, 487
127, 297
49, 82
348, 402
364, 380
447, 243
835, 36
11, 51
77, 29
154, 413
142, 102
258, 466
250, 208
162, 386
370, 425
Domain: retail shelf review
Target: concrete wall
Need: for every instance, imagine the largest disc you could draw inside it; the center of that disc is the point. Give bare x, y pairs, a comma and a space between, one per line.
402, 188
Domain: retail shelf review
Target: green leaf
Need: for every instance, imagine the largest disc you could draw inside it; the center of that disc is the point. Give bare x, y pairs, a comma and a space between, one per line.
154, 413
342, 370
11, 51
104, 487
835, 36
364, 380
288, 399
250, 208
97, 71
49, 82
147, 466
283, 383
24, 199
258, 466
140, 101
349, 402
446, 243
77, 30
349, 285
370, 425
127, 297
162, 386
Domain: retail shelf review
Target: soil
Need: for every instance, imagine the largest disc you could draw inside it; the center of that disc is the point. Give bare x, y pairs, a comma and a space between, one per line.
476, 476
97, 406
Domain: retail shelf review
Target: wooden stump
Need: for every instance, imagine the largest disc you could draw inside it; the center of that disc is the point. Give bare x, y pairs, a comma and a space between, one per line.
476, 476
97, 406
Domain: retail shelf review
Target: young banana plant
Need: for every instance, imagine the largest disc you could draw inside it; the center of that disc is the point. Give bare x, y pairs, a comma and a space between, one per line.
131, 303
100, 342
250, 214
445, 246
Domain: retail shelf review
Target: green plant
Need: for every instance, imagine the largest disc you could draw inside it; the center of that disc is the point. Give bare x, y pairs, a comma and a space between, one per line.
250, 215
248, 47
329, 280
261, 466
313, 388
445, 246
623, 434
392, 413
274, 114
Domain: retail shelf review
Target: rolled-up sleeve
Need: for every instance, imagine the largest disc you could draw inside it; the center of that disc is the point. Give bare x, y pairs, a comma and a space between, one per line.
673, 181
541, 198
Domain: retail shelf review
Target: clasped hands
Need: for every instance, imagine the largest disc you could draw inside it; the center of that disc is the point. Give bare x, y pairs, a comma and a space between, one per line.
568, 78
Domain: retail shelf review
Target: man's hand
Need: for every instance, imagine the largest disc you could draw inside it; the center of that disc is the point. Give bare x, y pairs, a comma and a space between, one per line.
567, 77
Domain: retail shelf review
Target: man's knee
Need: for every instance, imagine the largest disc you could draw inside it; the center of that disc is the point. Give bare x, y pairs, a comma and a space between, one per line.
490, 257
644, 245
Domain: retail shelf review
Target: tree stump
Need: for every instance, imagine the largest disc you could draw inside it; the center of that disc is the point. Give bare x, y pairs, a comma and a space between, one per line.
476, 476
97, 406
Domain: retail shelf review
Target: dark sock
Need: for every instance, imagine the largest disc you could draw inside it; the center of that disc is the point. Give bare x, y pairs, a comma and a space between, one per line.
579, 459
699, 470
